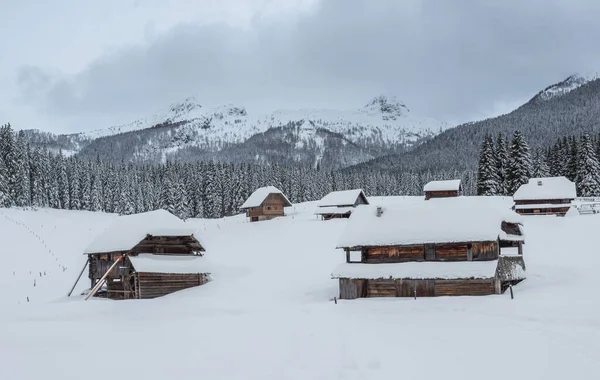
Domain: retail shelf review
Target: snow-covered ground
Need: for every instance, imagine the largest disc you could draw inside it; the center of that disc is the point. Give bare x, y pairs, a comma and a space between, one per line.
268, 312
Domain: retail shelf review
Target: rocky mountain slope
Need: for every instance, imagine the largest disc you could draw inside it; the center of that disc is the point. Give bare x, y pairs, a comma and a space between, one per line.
189, 131
569, 107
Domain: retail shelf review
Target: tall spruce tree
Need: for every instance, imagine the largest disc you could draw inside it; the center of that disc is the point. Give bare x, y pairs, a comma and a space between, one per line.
518, 170
501, 163
487, 178
540, 168
588, 169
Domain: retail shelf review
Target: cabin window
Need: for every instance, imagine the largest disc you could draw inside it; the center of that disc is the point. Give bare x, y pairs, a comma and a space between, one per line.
268, 207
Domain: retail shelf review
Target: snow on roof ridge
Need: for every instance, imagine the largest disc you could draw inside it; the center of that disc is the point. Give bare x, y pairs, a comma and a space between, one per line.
432, 222
449, 184
128, 230
541, 188
341, 198
259, 195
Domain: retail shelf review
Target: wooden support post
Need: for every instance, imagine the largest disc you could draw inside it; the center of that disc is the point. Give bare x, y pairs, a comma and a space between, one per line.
512, 296
101, 282
78, 277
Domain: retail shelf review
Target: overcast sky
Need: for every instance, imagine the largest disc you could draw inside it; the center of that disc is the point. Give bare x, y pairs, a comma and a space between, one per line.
76, 65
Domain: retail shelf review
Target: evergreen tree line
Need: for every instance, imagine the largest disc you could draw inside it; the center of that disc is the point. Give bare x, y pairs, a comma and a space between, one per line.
37, 178
505, 165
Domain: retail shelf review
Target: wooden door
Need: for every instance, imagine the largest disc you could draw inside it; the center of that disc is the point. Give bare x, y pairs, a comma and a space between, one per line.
429, 251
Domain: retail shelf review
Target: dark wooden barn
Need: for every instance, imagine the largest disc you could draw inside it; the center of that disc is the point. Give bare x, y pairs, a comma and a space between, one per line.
429, 251
443, 189
145, 255
545, 196
340, 204
265, 203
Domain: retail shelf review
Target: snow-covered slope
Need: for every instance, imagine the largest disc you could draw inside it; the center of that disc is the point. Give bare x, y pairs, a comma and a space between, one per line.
573, 82
268, 313
190, 131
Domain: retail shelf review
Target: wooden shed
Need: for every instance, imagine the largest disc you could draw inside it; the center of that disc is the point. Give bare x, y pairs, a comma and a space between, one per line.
430, 250
265, 203
145, 255
340, 204
443, 189
545, 196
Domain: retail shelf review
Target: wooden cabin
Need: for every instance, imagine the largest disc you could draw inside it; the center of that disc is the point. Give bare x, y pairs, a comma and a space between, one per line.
340, 204
265, 203
545, 196
430, 250
443, 189
145, 255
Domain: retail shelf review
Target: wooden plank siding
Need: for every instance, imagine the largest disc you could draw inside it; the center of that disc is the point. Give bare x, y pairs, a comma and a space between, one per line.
271, 207
152, 285
479, 251
441, 194
354, 288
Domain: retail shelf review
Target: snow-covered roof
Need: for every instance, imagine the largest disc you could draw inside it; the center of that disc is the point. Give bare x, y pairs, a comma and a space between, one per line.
128, 230
542, 205
148, 263
260, 194
449, 185
333, 210
434, 221
341, 198
418, 270
546, 188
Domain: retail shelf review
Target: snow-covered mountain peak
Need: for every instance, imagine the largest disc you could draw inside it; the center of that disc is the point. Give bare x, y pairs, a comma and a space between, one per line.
571, 83
388, 107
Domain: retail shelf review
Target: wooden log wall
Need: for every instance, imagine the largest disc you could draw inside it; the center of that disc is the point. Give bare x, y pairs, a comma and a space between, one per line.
167, 245
361, 288
152, 285
395, 254
542, 201
485, 251
443, 252
441, 194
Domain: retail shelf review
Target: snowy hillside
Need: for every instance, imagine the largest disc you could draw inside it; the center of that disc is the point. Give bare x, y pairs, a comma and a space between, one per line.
268, 313
573, 82
188, 131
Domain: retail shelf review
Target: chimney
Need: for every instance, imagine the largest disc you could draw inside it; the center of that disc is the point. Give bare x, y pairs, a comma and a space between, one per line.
379, 211
540, 183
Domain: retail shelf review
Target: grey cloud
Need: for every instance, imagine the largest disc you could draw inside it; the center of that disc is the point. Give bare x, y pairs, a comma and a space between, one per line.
446, 59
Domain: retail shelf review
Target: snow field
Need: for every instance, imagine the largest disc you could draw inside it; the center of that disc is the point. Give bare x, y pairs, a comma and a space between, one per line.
268, 313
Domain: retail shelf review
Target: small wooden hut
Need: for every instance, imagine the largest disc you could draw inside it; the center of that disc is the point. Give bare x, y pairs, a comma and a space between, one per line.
145, 255
545, 196
265, 203
340, 204
443, 189
430, 250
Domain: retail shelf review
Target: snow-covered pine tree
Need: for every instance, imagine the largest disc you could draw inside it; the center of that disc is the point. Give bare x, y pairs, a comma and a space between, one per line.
22, 157
588, 169
487, 172
8, 153
4, 197
573, 156
539, 168
518, 170
501, 152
